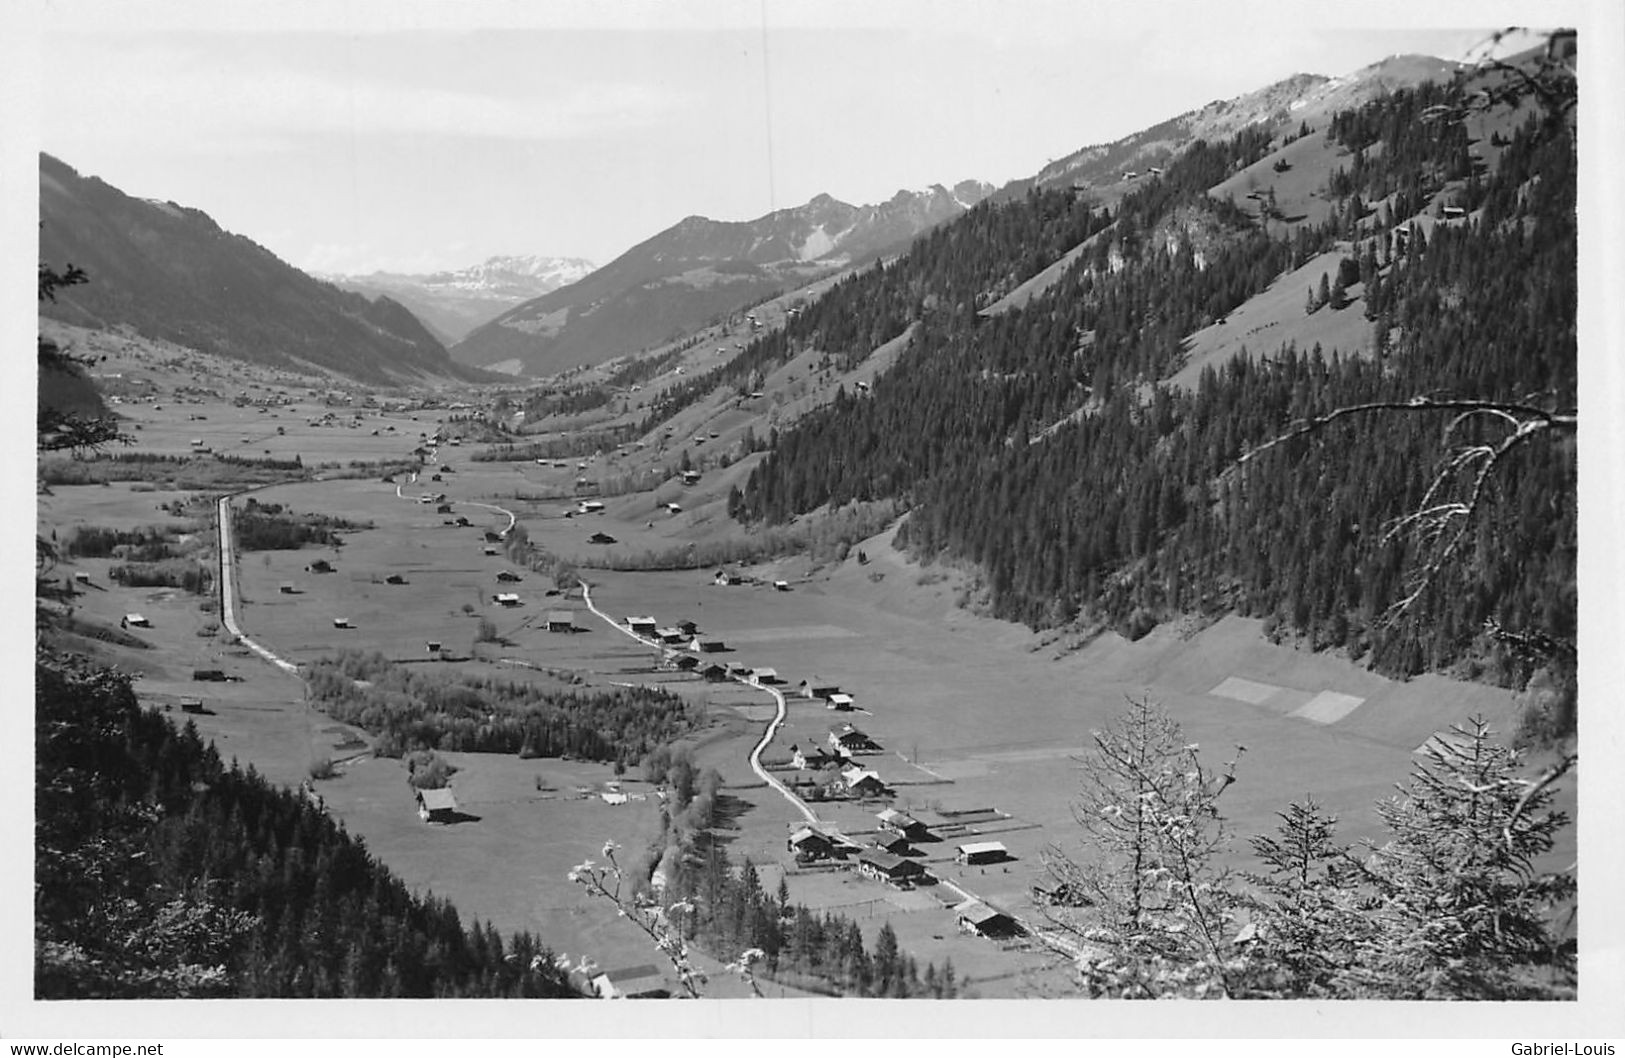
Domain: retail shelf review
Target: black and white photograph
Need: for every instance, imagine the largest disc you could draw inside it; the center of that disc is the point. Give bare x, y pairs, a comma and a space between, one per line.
921, 520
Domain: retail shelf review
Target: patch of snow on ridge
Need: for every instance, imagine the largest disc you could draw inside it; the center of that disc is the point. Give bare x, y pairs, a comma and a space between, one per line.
817, 244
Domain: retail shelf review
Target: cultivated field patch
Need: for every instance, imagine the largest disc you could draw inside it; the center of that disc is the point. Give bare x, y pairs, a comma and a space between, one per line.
1245, 690
1328, 707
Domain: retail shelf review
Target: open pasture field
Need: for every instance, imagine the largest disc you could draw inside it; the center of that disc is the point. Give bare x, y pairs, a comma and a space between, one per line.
252, 432
970, 713
506, 861
1004, 725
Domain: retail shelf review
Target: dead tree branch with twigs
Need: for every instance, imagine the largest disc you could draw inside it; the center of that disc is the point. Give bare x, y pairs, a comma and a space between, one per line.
1456, 495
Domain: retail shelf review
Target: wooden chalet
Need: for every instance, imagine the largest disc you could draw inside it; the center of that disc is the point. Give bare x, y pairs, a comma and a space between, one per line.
862, 781
886, 867
809, 844
508, 575
643, 626
849, 738
903, 824
561, 621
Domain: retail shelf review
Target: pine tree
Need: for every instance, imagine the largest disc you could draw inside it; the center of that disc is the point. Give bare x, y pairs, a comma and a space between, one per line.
1462, 911
1306, 924
1149, 892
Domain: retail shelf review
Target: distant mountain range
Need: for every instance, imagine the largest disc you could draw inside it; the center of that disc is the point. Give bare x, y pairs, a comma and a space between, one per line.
172, 273
698, 269
453, 303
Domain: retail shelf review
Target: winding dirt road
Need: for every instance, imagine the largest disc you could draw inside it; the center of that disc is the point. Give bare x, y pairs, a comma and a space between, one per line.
767, 736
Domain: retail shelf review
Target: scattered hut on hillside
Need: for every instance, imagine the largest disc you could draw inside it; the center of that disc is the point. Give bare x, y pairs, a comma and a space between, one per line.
436, 806
632, 982
561, 621
983, 920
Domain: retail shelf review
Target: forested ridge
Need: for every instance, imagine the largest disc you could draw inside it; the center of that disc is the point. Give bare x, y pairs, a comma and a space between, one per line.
163, 872
1040, 445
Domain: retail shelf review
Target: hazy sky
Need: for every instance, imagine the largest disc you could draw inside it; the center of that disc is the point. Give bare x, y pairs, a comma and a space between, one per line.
355, 136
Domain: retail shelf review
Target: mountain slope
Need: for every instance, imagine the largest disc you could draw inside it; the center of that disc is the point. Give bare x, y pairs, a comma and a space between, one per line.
171, 273
698, 269
1043, 446
452, 303
1301, 98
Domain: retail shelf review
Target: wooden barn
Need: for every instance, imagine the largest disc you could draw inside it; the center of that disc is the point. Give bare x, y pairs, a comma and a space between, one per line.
978, 852
561, 621
436, 806
982, 920
632, 982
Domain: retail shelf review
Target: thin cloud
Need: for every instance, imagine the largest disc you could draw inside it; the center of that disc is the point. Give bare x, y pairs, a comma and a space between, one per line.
156, 96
